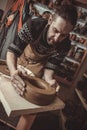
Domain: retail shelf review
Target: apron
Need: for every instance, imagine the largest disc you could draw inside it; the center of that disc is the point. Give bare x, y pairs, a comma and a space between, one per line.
33, 60
29, 60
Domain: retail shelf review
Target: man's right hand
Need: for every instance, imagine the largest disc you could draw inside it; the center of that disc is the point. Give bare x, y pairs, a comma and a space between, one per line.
17, 81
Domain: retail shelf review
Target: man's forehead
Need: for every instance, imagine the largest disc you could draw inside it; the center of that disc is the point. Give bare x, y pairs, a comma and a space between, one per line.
62, 25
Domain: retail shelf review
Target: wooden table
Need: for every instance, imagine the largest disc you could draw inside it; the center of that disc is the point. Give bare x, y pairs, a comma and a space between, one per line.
15, 105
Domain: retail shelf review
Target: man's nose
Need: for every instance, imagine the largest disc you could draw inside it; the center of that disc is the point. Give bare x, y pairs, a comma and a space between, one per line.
57, 36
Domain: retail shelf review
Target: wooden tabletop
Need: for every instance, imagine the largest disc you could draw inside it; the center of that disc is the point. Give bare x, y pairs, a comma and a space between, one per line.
15, 105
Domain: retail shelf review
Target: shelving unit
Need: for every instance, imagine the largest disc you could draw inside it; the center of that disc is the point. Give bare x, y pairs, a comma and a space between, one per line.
75, 57
72, 60
82, 99
80, 90
78, 36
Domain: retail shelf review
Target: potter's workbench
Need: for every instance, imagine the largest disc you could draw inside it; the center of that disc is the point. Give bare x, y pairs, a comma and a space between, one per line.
15, 105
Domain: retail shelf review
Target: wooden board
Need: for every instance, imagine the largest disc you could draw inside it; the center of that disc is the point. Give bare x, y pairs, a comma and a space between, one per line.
15, 105
82, 99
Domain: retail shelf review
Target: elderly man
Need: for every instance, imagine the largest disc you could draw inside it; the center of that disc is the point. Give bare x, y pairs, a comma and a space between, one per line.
43, 44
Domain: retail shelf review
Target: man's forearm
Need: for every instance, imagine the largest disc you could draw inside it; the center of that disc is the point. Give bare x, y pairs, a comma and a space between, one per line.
48, 74
48, 77
11, 62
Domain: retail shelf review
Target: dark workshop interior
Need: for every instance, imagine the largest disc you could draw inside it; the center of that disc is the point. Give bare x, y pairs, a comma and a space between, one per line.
71, 74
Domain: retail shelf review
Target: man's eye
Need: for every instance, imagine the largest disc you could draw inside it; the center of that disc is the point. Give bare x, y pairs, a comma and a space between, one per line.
54, 29
63, 35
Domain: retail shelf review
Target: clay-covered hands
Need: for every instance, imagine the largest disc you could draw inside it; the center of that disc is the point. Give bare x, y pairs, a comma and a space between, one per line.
17, 81
19, 84
48, 77
54, 84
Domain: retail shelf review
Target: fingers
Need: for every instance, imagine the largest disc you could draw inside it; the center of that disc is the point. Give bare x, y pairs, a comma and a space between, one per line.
18, 79
25, 71
17, 89
54, 84
22, 72
57, 88
18, 84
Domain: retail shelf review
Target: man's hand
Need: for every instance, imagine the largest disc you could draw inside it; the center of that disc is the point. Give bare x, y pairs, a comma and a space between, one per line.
54, 84
16, 73
48, 77
18, 82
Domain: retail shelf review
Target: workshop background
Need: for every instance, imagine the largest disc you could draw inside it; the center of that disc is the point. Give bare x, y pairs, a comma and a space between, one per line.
72, 77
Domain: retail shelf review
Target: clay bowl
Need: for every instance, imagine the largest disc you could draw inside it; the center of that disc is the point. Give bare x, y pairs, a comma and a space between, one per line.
38, 91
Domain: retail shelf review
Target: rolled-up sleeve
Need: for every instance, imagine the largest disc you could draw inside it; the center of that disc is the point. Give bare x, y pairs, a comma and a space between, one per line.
22, 39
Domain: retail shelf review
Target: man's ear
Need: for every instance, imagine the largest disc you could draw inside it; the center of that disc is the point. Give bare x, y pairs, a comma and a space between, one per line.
50, 20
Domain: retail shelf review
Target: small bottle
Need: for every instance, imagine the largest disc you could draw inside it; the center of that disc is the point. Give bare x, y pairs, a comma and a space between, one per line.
79, 54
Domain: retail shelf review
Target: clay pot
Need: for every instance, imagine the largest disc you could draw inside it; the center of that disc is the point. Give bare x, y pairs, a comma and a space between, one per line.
38, 91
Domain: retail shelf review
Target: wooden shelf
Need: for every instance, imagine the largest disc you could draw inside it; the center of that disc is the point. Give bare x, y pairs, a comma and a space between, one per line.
81, 3
82, 99
78, 35
81, 22
85, 75
72, 60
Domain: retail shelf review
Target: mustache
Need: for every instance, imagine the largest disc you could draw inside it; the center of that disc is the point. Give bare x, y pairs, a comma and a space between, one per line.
51, 38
